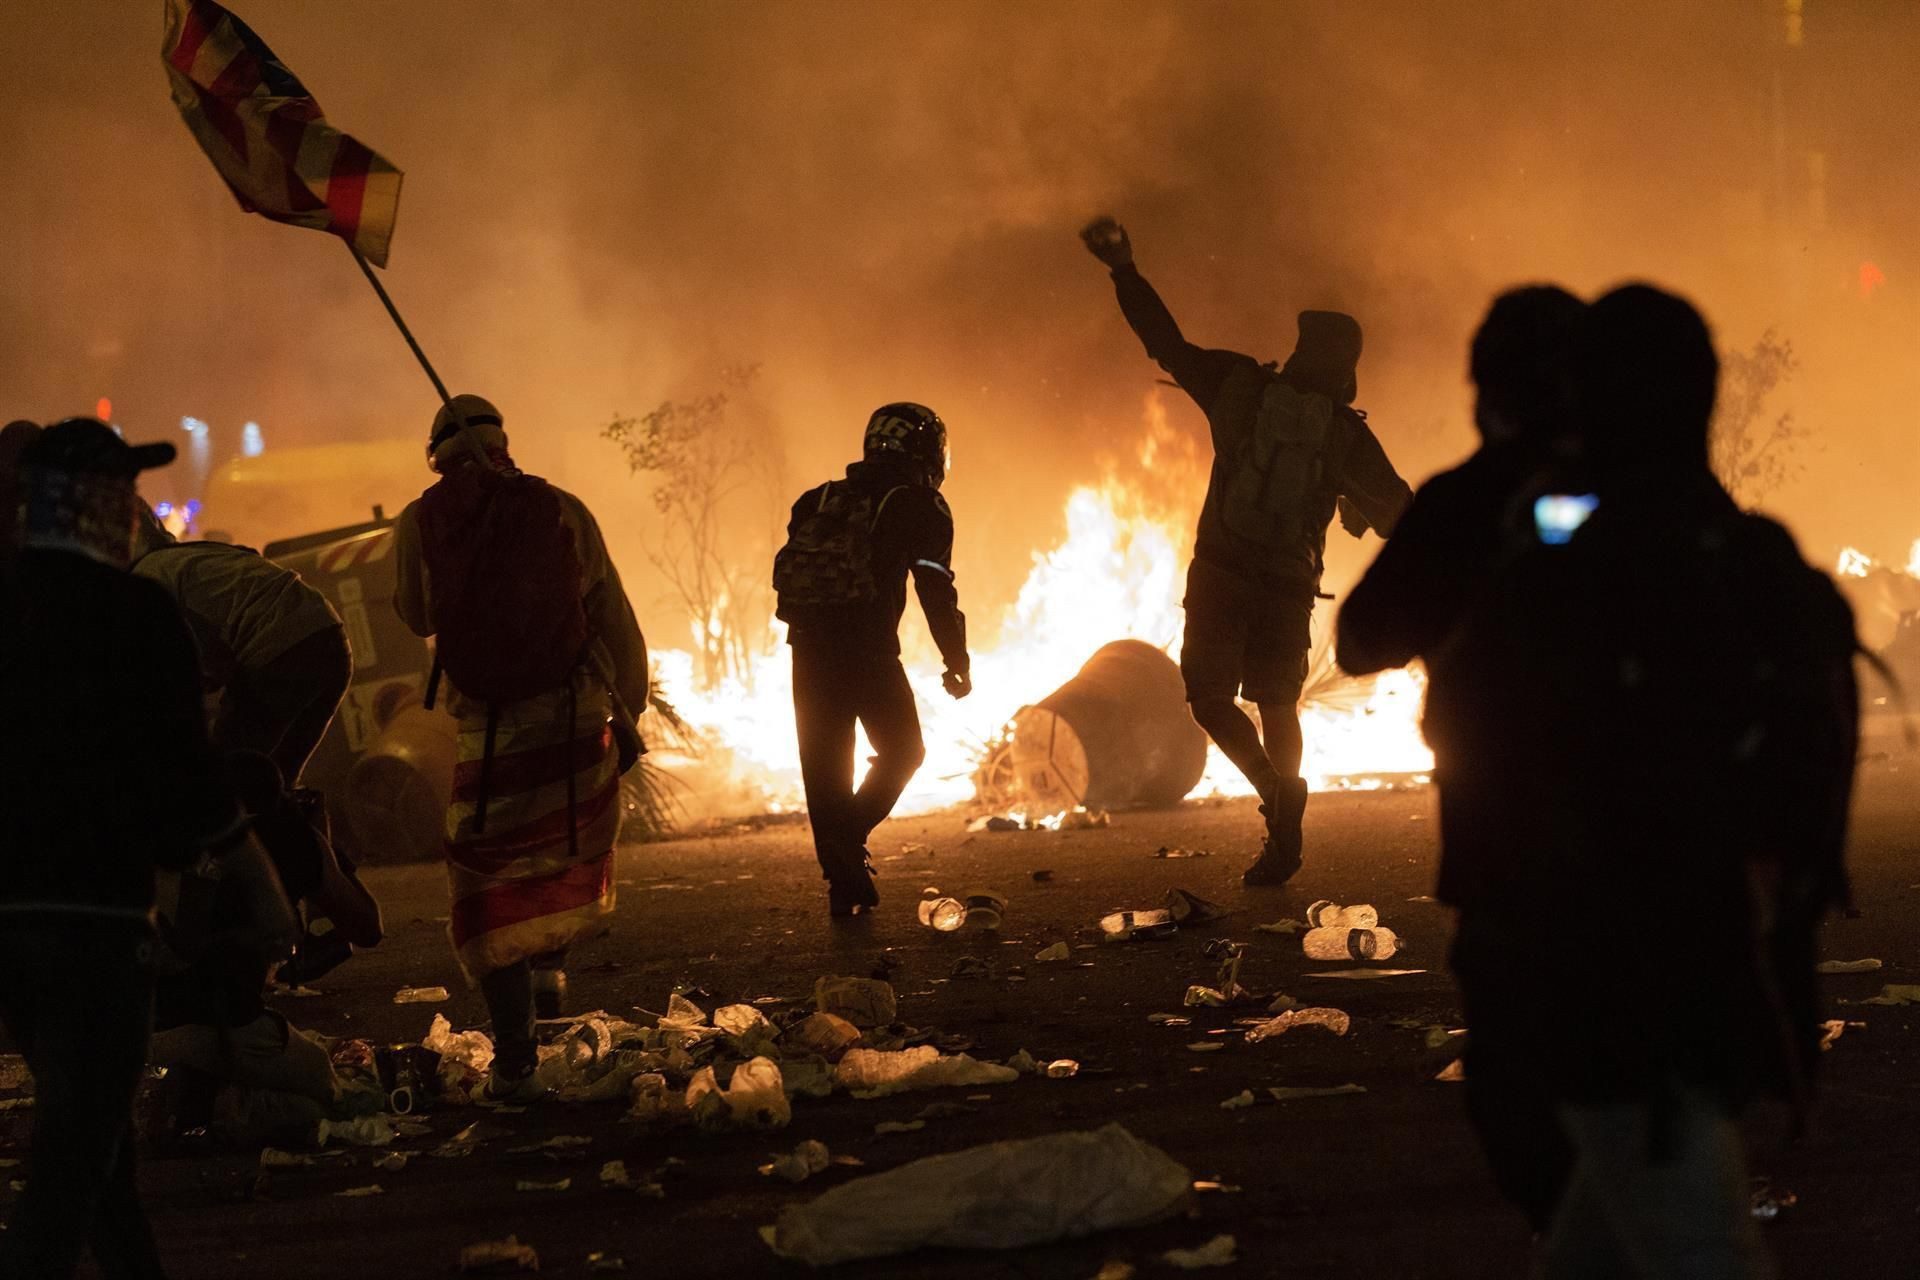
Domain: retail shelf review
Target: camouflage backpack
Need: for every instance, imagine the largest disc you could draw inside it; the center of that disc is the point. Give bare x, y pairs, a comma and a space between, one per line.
828, 556
1280, 467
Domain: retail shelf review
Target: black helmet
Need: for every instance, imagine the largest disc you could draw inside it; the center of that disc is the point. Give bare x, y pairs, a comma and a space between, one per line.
913, 431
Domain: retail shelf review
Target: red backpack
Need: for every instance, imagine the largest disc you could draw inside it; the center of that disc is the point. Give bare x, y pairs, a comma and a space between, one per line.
504, 584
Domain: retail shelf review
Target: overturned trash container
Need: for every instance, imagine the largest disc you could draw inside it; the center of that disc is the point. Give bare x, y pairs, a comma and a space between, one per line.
1117, 734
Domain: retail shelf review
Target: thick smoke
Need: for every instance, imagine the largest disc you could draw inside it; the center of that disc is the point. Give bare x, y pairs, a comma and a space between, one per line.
608, 202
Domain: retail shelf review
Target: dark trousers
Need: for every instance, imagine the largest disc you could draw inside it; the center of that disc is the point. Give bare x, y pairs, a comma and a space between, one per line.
833, 691
1509, 1100
283, 710
509, 994
77, 998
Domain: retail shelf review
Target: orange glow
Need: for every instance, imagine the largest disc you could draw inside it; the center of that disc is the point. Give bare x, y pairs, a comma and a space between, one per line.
1118, 573
103, 409
1871, 278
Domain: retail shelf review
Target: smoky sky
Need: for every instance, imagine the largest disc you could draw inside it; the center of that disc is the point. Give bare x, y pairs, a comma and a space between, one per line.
605, 203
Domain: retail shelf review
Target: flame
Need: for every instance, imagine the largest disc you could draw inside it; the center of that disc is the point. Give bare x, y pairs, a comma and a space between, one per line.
1913, 560
1117, 573
1853, 563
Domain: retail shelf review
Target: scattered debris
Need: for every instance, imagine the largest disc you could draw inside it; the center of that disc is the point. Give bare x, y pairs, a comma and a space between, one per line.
1042, 876
875, 1073
529, 1184
356, 1193
1114, 1269
825, 1034
1455, 1072
421, 995
1288, 925
1287, 1093
1847, 966
1062, 1069
361, 1131
1004, 1195
1217, 1252
1895, 993
1337, 942
274, 1158
1127, 926
600, 1262
559, 1142
899, 1126
1365, 973
755, 1098
1244, 1098
1191, 908
1058, 951
1207, 1046
1833, 1028
805, 1160
459, 1145
865, 1002
614, 1175
1165, 852
499, 1255
970, 967
1169, 1020
393, 1161
1334, 1020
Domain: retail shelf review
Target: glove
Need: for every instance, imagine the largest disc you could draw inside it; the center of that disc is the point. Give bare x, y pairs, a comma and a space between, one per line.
1107, 241
958, 684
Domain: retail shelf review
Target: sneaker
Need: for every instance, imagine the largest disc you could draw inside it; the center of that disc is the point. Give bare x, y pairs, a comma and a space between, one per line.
500, 1090
1280, 852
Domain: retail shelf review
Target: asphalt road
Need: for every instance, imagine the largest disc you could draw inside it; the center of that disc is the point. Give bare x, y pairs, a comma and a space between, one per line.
1383, 1183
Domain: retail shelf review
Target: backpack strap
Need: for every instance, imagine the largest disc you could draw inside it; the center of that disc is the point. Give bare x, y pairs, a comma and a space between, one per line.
885, 499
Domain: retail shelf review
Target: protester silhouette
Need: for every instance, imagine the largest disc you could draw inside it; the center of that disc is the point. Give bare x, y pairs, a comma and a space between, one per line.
1289, 450
1664, 689
1452, 539
106, 776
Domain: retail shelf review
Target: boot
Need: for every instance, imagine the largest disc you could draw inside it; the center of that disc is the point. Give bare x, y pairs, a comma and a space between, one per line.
850, 889
1280, 853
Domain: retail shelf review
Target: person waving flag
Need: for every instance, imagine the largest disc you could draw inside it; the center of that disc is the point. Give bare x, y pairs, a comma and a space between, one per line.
267, 137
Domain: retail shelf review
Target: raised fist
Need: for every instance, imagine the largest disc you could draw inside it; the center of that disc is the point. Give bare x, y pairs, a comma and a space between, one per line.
1107, 241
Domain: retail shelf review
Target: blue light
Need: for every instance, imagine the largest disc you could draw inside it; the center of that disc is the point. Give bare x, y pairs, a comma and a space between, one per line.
252, 443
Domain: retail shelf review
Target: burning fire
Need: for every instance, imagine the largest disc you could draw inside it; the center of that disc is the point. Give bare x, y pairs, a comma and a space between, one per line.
1118, 573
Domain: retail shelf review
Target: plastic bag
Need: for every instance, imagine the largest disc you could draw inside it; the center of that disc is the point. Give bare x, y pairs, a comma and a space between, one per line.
753, 1099
1005, 1195
876, 1072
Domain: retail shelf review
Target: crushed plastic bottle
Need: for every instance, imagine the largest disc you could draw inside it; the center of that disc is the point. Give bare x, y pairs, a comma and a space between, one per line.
1326, 915
1333, 942
1126, 926
940, 912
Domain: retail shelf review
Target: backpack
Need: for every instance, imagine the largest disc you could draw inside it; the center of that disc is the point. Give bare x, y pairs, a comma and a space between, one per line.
1279, 467
828, 556
505, 584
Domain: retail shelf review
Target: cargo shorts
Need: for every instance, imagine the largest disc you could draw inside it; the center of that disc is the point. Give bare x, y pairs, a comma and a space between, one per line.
1245, 639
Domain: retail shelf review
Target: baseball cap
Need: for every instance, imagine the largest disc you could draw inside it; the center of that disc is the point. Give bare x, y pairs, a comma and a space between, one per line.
91, 446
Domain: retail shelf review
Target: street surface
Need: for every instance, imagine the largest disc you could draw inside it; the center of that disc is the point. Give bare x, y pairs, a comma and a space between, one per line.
1384, 1183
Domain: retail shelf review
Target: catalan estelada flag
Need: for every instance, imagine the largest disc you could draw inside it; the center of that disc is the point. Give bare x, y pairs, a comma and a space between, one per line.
266, 135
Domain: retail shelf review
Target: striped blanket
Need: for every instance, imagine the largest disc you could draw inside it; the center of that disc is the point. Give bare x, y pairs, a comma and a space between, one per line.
520, 887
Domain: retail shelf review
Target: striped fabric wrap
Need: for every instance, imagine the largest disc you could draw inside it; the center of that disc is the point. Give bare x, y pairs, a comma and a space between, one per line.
519, 886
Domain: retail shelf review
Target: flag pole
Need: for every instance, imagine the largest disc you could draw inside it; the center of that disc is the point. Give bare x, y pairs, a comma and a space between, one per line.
366, 269
467, 433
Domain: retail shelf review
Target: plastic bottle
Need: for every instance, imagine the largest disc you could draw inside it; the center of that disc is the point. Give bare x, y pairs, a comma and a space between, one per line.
1124, 925
1325, 914
1333, 942
983, 909
940, 912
